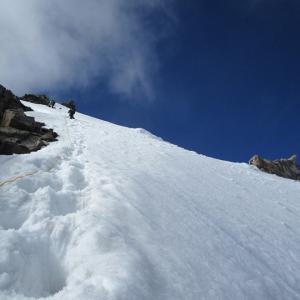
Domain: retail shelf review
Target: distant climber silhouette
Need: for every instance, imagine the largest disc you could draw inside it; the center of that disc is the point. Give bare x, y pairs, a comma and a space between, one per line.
72, 108
71, 113
51, 103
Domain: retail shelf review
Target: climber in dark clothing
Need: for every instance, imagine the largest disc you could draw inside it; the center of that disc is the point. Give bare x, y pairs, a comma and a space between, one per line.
72, 108
71, 105
51, 103
71, 113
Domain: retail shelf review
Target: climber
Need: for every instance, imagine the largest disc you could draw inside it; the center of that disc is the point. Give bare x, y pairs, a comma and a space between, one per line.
71, 113
51, 103
71, 105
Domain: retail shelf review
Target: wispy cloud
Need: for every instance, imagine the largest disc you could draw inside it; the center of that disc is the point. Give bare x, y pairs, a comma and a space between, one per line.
54, 44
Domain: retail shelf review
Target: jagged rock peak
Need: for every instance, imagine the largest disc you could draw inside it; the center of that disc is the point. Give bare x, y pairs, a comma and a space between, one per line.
286, 168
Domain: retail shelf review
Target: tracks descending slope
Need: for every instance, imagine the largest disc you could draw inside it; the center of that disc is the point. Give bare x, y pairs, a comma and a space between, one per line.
38, 213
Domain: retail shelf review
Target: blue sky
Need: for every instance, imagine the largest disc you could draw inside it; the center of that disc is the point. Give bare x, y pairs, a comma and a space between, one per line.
228, 85
217, 77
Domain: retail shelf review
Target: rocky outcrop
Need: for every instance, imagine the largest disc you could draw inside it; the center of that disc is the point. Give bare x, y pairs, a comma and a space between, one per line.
20, 133
9, 101
70, 104
17, 119
19, 141
37, 99
286, 168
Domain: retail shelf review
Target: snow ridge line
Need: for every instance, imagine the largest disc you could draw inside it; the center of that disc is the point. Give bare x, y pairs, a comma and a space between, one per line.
34, 172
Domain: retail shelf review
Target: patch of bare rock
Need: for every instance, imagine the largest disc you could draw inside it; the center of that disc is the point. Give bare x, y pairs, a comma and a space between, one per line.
19, 133
286, 168
37, 99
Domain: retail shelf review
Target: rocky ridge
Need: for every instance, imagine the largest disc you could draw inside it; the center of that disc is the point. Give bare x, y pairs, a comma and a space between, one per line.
19, 133
286, 168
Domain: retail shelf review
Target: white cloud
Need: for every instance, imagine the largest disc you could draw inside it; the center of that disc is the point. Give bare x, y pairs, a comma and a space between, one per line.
55, 44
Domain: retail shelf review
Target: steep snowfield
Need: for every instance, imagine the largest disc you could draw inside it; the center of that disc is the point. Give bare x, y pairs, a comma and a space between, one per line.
116, 213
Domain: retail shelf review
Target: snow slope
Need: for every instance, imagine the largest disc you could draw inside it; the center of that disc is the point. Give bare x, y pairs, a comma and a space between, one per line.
116, 213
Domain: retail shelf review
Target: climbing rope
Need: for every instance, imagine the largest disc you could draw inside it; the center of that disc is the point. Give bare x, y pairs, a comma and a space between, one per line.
11, 180
34, 172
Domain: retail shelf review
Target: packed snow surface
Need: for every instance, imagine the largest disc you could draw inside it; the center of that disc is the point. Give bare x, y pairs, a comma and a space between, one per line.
110, 212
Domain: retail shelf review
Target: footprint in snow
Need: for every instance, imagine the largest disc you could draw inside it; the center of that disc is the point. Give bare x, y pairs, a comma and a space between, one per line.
76, 179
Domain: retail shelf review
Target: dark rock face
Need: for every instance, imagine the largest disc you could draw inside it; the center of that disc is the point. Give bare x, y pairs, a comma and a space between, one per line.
17, 119
37, 99
70, 104
9, 101
18, 141
20, 133
286, 168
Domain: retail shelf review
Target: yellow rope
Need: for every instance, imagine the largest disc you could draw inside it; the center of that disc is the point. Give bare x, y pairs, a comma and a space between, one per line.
11, 180
32, 173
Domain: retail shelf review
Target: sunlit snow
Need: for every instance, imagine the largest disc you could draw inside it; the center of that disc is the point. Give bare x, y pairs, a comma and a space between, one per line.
116, 213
